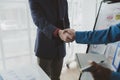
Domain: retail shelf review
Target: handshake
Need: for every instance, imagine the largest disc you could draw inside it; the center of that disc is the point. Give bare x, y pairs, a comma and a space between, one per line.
67, 35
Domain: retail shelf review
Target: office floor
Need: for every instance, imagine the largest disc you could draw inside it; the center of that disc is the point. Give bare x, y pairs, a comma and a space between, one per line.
71, 73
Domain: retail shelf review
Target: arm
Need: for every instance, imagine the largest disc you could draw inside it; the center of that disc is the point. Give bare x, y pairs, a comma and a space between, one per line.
101, 73
115, 76
40, 19
99, 36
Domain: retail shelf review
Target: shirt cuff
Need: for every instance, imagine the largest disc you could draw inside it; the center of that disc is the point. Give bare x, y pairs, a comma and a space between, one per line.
55, 33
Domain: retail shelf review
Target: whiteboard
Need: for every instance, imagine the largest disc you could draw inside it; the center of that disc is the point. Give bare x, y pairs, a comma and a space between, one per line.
109, 15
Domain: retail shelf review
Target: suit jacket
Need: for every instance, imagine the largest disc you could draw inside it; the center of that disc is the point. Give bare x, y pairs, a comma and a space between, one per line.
48, 15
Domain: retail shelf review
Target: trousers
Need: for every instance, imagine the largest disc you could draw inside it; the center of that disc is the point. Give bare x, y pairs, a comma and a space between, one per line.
51, 67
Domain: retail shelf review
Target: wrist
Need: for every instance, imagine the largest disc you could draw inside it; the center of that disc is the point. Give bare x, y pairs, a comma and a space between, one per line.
56, 32
59, 32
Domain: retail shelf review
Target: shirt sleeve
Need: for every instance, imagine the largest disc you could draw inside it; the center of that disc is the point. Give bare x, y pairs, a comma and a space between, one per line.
115, 76
112, 34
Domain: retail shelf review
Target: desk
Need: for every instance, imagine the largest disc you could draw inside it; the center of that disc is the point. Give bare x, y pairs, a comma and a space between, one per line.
28, 72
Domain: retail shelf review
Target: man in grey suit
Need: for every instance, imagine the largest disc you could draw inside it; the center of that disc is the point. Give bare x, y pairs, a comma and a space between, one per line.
50, 17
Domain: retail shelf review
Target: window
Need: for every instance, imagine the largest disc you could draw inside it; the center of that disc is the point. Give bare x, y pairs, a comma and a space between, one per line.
16, 34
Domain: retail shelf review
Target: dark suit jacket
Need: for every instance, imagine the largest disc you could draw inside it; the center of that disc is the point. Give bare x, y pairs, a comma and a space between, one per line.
48, 15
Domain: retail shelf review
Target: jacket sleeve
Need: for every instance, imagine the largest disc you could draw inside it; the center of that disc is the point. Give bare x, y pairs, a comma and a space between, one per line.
40, 19
109, 35
67, 23
115, 76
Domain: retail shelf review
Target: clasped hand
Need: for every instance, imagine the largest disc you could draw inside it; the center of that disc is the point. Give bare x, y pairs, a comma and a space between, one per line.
99, 72
67, 35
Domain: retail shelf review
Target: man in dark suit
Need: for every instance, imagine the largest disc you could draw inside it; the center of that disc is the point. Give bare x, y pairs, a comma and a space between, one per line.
50, 17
